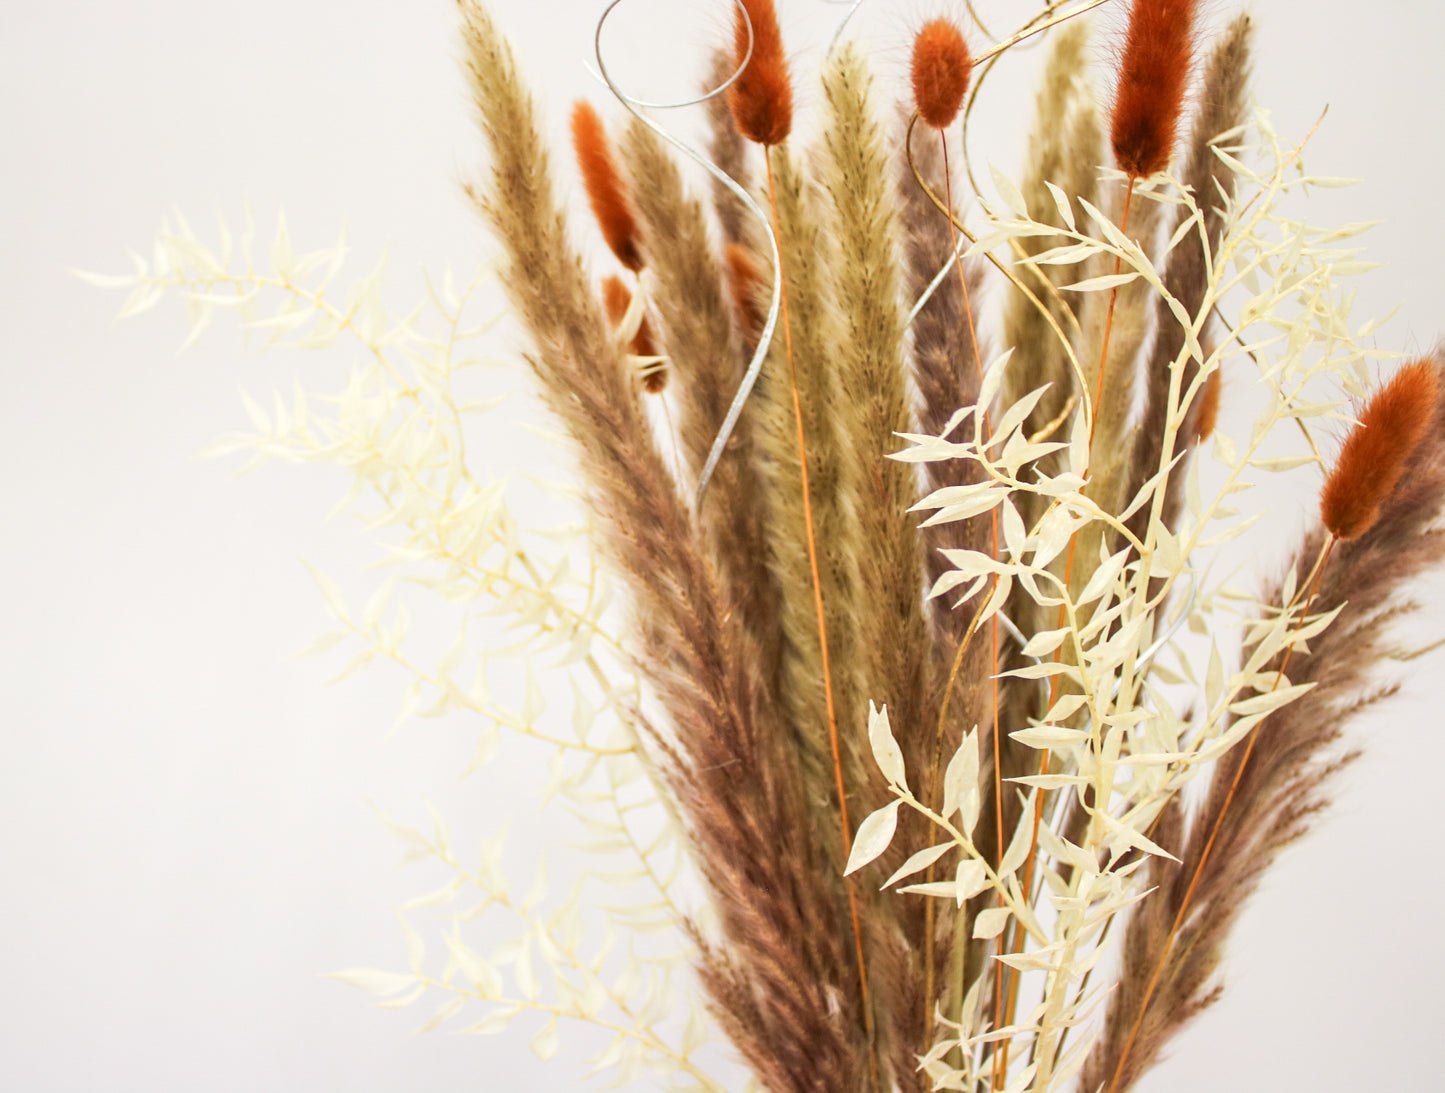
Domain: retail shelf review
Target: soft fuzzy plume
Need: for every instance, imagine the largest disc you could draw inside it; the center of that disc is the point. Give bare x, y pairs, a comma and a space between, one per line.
1376, 452
1153, 73
761, 98
606, 192
941, 70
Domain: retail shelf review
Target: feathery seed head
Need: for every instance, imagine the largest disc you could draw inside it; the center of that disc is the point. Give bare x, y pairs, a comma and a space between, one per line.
761, 98
1375, 454
941, 70
1152, 76
606, 192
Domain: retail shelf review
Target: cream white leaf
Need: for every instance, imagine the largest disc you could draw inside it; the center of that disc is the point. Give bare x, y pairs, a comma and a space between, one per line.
546, 1043
990, 922
961, 776
921, 860
375, 982
886, 751
874, 835
969, 879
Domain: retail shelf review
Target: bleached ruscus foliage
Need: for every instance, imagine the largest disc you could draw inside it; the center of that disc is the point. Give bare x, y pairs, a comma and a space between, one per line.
894, 624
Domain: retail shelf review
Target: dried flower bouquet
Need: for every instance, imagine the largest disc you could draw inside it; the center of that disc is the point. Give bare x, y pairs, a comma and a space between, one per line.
918, 646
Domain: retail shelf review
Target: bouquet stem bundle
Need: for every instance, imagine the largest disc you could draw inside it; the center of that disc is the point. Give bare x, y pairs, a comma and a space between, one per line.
910, 505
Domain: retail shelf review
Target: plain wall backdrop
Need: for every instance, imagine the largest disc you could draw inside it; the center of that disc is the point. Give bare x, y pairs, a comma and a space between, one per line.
185, 838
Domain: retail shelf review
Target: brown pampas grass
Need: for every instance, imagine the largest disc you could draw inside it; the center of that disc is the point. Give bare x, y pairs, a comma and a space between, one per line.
940, 72
761, 98
1153, 74
605, 190
1376, 452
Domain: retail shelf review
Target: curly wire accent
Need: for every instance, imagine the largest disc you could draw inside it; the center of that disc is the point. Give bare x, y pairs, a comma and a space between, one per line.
635, 106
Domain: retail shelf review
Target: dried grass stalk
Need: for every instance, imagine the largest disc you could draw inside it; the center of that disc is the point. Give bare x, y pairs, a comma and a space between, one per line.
699, 337
785, 966
872, 405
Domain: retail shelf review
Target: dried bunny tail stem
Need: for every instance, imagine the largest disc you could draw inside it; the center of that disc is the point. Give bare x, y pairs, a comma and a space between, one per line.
699, 337
1153, 73
782, 965
761, 99
1118, 324
1264, 797
940, 70
728, 150
605, 191
1375, 453
872, 405
1223, 102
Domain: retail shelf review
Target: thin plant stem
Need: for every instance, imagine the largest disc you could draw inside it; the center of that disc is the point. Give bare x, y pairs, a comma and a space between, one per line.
823, 640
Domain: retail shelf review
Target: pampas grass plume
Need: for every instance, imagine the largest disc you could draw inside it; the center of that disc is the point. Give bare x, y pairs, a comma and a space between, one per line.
605, 190
761, 98
1152, 76
1375, 454
941, 70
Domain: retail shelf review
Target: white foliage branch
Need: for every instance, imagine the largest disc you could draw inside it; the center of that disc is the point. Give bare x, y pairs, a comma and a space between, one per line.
1111, 736
398, 426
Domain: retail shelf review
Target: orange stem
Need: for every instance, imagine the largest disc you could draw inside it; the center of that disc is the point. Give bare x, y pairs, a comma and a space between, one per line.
823, 637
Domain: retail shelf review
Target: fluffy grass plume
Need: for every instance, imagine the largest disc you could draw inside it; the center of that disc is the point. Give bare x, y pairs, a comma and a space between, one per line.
1378, 449
940, 69
761, 99
605, 190
1153, 74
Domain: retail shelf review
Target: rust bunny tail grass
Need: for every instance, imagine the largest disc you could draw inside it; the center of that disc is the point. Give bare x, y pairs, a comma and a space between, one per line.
605, 190
941, 69
1376, 452
1153, 74
1208, 408
745, 281
761, 98
617, 298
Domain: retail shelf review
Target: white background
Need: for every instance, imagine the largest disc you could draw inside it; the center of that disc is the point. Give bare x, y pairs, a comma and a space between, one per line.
185, 843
